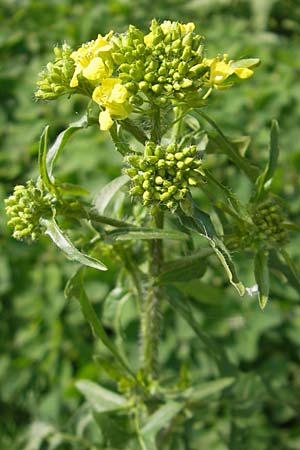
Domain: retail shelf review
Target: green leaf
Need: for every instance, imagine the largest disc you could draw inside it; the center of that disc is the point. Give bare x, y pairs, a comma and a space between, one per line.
224, 145
248, 62
287, 268
161, 418
134, 130
121, 145
75, 289
104, 197
60, 142
185, 269
181, 305
204, 390
264, 180
127, 234
101, 399
201, 223
71, 189
116, 430
261, 273
225, 259
45, 177
232, 199
64, 243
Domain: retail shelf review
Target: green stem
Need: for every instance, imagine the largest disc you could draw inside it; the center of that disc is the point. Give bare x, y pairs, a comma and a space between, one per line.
151, 318
177, 124
156, 127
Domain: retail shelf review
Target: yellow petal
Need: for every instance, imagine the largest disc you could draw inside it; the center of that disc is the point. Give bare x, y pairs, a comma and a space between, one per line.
148, 39
74, 79
97, 95
166, 26
186, 27
100, 45
118, 94
119, 110
105, 120
96, 70
243, 72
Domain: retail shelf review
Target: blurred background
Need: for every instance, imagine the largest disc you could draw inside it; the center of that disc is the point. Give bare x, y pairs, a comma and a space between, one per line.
45, 344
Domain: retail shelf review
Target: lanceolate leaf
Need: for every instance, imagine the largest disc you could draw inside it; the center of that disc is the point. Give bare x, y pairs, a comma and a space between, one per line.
75, 289
204, 390
225, 146
201, 223
64, 243
181, 305
287, 268
185, 269
161, 418
248, 62
261, 273
263, 182
60, 142
101, 399
45, 177
104, 197
127, 234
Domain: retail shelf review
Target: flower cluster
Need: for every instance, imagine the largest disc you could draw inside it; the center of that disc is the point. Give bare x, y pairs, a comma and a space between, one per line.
163, 175
25, 207
121, 72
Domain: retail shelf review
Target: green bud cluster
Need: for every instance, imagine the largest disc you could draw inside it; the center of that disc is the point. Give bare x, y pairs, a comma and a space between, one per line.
167, 64
25, 207
163, 176
266, 231
55, 79
268, 219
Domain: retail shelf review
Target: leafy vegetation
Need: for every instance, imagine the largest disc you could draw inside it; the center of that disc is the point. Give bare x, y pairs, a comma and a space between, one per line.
236, 368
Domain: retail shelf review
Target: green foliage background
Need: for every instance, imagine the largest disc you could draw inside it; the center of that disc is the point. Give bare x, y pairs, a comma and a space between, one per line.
45, 344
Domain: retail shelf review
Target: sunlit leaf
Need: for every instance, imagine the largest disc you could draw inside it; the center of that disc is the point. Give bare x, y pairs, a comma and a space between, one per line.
101, 399
161, 418
103, 198
263, 182
64, 243
61, 140
204, 390
44, 174
127, 234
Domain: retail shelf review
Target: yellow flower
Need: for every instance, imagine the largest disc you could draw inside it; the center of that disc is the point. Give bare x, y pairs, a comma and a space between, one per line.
220, 70
93, 60
112, 95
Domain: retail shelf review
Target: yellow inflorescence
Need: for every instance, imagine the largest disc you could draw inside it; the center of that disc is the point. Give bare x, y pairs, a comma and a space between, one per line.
123, 72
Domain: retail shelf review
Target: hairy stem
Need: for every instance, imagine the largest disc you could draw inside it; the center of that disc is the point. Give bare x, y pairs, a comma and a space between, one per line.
151, 317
